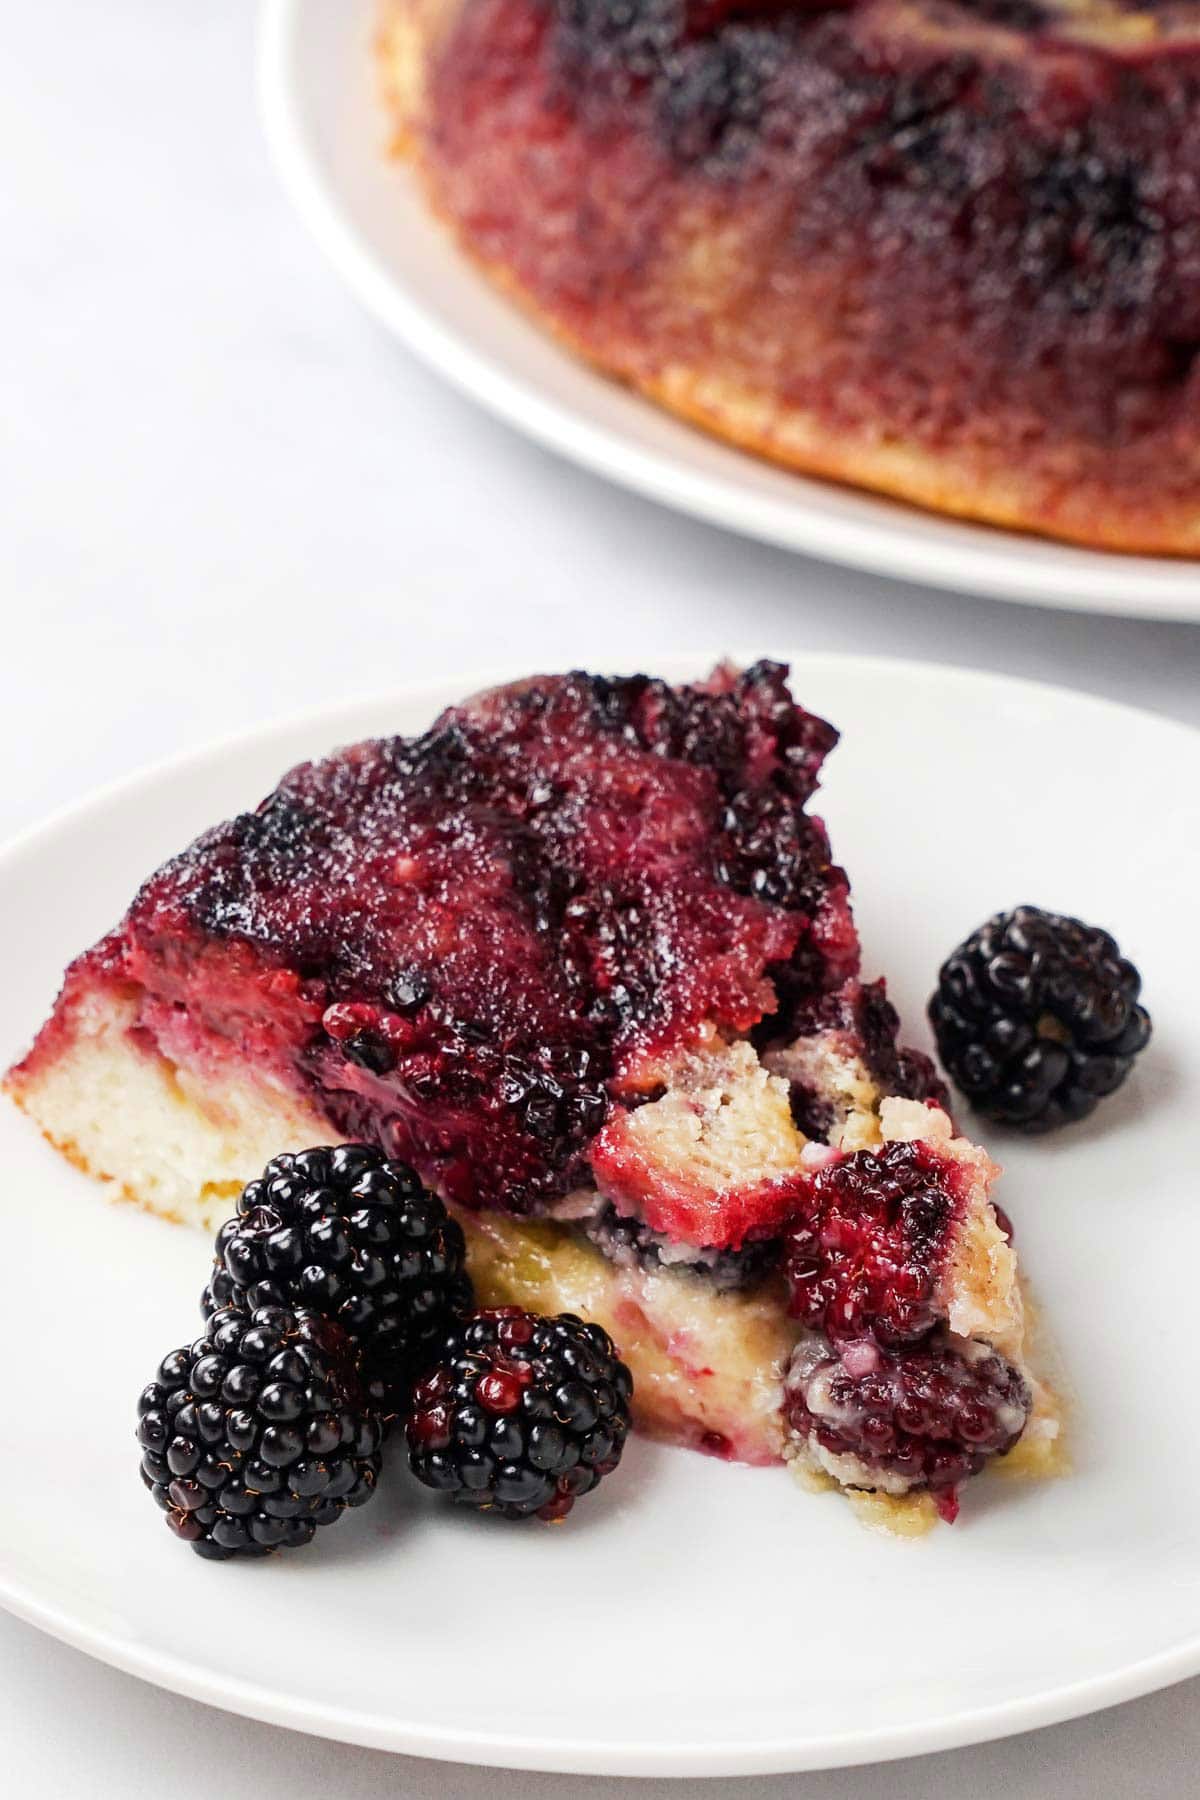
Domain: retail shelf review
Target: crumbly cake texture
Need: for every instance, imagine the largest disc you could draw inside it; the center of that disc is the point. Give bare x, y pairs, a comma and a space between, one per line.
946, 249
580, 954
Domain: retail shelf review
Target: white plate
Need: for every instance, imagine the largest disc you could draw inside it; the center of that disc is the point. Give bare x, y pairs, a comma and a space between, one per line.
693, 1617
327, 133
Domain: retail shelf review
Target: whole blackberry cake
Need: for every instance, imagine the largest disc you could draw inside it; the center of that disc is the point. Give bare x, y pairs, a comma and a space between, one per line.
947, 249
579, 956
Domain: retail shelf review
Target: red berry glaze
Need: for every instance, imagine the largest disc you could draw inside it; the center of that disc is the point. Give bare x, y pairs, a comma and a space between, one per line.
865, 1252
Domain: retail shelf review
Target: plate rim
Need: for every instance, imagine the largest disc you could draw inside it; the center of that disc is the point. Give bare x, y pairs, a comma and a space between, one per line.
1161, 588
584, 1756
575, 1755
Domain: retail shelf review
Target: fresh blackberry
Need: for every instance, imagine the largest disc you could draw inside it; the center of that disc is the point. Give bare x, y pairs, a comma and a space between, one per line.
1037, 1018
258, 1432
353, 1235
521, 1415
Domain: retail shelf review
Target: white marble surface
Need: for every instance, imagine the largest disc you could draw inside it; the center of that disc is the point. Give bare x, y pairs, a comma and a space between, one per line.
226, 496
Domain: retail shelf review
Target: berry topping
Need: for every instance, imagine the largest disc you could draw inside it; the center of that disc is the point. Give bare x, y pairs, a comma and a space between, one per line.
468, 946
925, 1417
522, 1414
1037, 1018
356, 1237
258, 1432
863, 1257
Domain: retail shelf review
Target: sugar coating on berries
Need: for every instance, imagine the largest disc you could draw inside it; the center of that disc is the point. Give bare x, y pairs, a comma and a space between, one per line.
925, 1416
521, 1415
1037, 1018
258, 1433
353, 1235
864, 1254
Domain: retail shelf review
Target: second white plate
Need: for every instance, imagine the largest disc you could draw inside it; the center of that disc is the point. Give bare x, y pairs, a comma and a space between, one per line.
328, 136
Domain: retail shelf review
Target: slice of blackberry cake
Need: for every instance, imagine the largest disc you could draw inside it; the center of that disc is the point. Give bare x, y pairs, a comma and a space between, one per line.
580, 954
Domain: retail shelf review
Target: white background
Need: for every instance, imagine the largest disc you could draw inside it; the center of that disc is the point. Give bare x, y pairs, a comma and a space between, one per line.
225, 496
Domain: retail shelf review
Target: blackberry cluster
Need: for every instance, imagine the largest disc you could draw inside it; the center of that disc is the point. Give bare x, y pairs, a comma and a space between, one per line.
336, 1282
522, 1415
258, 1432
331, 1284
1037, 1018
354, 1236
